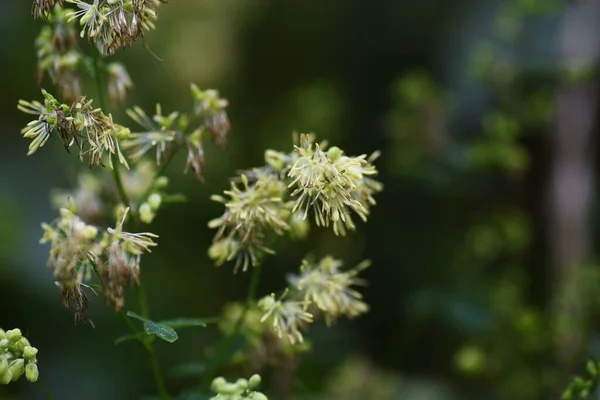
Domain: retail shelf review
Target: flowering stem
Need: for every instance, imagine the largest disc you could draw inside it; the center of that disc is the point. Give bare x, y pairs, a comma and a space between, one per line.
226, 345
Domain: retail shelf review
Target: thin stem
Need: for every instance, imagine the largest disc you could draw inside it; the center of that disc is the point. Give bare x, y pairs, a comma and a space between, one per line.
46, 388
226, 345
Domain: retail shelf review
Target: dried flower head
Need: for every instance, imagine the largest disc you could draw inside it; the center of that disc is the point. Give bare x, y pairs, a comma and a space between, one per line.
41, 8
288, 317
95, 133
78, 251
332, 184
328, 288
114, 24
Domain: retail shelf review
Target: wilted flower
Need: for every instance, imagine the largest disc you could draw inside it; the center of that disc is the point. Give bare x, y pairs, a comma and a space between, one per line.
95, 133
330, 289
115, 25
287, 317
332, 184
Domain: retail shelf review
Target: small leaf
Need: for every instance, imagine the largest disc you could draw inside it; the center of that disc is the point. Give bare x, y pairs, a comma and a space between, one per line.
137, 316
188, 322
164, 332
174, 198
133, 336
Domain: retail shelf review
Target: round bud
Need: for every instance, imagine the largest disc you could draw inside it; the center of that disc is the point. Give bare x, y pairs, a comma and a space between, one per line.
146, 213
22, 343
154, 200
14, 335
29, 352
2, 334
90, 232
254, 381
5, 377
218, 383
299, 227
161, 182
31, 372
3, 344
258, 396
266, 302
3, 364
242, 384
334, 153
124, 133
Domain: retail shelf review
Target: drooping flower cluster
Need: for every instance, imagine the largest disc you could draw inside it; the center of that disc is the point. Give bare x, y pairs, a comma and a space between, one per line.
331, 183
166, 133
95, 133
17, 357
58, 54
41, 8
78, 251
242, 389
320, 289
114, 24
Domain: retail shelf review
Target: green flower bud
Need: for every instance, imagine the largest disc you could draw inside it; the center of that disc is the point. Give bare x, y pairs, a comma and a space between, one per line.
29, 353
2, 334
146, 213
161, 182
31, 372
22, 343
266, 302
3, 344
90, 232
6, 377
335, 153
299, 227
229, 388
218, 383
14, 335
254, 381
154, 200
3, 364
124, 133
242, 384
17, 368
258, 396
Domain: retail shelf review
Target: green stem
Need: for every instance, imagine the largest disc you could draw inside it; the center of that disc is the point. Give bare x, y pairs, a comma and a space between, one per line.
225, 346
46, 388
143, 303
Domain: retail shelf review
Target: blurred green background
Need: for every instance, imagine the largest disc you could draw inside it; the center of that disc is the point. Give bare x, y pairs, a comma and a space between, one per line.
484, 282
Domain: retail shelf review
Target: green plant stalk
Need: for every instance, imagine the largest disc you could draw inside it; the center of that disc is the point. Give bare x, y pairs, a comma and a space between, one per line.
46, 388
143, 304
225, 346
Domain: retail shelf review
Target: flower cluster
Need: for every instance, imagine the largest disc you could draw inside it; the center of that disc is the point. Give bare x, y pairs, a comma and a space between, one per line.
95, 133
58, 54
79, 250
275, 198
166, 133
17, 357
242, 389
114, 24
320, 288
42, 8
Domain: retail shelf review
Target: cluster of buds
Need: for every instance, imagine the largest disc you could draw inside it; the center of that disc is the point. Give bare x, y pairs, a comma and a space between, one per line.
114, 25
79, 250
275, 199
319, 288
17, 357
165, 133
242, 389
95, 133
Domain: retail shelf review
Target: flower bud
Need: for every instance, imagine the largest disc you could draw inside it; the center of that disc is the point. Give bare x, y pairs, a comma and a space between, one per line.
154, 201
218, 383
254, 381
31, 372
258, 396
161, 182
334, 153
17, 368
124, 133
22, 343
146, 213
3, 344
5, 377
3, 364
299, 227
2, 334
29, 353
242, 384
266, 302
89, 232
14, 335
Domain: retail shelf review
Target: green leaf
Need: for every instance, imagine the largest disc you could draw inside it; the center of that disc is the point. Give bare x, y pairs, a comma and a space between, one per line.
137, 316
164, 332
134, 336
188, 322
